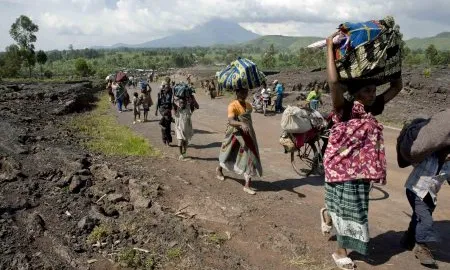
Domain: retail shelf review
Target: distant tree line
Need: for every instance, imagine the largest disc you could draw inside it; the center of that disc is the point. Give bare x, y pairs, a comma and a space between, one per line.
20, 58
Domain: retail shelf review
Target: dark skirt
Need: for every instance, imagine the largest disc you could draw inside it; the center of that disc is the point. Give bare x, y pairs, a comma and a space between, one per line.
166, 135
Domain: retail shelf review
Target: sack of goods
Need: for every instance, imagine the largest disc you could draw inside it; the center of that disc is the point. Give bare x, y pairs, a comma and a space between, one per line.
295, 120
121, 77
183, 90
422, 137
287, 142
369, 51
143, 85
241, 74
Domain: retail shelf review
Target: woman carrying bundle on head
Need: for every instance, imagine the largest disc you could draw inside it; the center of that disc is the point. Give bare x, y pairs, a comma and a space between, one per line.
239, 152
354, 157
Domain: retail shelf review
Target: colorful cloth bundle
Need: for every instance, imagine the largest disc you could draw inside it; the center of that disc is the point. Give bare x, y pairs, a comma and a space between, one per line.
371, 51
356, 35
241, 73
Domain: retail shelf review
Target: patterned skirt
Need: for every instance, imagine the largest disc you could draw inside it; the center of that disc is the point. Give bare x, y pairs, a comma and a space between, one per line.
348, 206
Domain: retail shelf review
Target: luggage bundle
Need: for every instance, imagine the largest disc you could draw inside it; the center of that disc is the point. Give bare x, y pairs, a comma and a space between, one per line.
240, 74
300, 126
422, 137
369, 51
183, 90
298, 120
121, 77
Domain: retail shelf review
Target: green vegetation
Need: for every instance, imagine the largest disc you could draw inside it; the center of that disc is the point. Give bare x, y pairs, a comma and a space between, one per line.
441, 41
107, 136
41, 58
23, 32
269, 52
98, 233
217, 239
132, 258
82, 68
174, 253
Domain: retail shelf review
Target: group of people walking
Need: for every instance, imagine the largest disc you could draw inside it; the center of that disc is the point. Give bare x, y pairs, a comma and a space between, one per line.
172, 109
354, 157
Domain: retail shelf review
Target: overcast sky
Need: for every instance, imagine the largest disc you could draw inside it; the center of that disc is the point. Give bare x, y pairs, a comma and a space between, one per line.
86, 23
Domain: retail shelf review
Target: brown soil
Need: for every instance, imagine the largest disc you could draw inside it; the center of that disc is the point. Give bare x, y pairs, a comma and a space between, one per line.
62, 207
175, 213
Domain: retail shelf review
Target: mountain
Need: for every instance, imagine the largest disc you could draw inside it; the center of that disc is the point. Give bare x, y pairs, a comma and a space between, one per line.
214, 32
441, 41
278, 41
281, 42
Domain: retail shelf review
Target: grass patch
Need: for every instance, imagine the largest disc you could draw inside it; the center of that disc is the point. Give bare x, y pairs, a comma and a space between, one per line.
217, 239
107, 136
307, 263
174, 253
132, 258
99, 233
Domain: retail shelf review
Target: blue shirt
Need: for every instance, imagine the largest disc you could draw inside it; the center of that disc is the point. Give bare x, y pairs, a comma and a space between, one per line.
279, 89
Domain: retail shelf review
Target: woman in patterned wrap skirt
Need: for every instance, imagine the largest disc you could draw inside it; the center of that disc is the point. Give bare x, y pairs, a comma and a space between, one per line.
354, 157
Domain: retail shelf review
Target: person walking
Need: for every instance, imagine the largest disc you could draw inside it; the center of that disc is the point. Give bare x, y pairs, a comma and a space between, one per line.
165, 100
239, 152
279, 91
183, 126
354, 157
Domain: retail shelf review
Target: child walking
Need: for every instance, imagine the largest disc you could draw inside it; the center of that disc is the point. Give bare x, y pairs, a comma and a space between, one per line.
183, 127
136, 109
147, 102
165, 124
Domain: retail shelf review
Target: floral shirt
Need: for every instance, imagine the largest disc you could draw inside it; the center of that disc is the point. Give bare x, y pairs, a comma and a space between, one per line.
355, 148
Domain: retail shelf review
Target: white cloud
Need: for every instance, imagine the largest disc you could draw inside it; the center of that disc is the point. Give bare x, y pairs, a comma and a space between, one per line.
86, 23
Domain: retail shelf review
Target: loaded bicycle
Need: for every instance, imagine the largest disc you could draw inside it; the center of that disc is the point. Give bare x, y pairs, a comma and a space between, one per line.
307, 152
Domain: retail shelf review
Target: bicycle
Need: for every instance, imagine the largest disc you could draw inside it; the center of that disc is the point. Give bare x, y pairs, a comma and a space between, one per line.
307, 157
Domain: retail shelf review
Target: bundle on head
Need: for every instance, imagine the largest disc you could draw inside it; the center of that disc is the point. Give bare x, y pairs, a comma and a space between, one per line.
371, 51
241, 73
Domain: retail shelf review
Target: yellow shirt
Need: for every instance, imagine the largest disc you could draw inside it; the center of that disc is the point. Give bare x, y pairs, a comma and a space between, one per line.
313, 96
235, 109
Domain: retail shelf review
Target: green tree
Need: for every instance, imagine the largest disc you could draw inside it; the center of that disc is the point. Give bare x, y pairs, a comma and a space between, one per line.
41, 58
10, 61
23, 32
82, 68
432, 55
268, 58
29, 57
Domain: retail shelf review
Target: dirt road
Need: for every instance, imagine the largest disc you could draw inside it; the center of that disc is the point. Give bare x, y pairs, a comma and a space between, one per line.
279, 227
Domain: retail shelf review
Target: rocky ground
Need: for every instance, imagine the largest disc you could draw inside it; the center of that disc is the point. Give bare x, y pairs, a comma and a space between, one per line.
62, 207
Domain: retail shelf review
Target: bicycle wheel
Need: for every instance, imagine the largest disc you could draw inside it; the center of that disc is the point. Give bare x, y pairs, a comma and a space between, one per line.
304, 158
318, 167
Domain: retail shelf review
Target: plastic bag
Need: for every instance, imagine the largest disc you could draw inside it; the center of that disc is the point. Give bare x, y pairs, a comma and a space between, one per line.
295, 120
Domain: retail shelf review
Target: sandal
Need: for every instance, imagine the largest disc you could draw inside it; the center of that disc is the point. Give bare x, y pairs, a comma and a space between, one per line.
249, 191
219, 175
343, 263
326, 229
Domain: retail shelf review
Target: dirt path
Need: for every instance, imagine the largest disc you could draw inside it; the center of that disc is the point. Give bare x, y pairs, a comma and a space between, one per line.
279, 228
